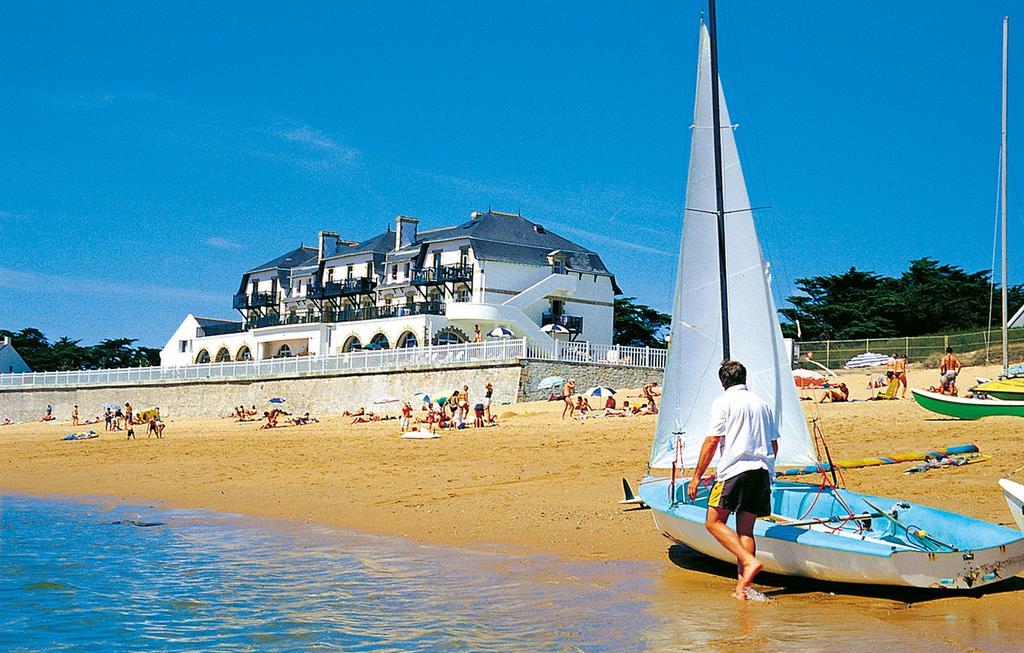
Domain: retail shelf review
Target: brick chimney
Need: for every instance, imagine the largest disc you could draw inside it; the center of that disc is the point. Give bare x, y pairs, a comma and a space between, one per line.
405, 231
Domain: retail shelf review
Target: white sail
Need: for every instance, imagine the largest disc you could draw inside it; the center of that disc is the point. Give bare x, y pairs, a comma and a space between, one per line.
695, 352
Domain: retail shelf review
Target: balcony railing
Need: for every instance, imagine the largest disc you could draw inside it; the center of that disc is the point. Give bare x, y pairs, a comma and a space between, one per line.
219, 329
442, 274
254, 300
346, 288
348, 315
572, 322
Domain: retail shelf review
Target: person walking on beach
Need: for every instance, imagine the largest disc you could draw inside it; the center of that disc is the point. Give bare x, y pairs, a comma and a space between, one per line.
487, 401
406, 416
901, 373
744, 432
948, 372
567, 391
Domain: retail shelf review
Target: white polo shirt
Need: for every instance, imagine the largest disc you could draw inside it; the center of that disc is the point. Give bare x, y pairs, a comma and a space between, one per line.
748, 428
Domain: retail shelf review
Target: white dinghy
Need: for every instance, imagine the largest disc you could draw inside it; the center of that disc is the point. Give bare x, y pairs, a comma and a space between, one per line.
815, 531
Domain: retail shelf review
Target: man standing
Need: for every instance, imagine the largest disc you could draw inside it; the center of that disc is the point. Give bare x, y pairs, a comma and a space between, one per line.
74, 415
948, 372
745, 434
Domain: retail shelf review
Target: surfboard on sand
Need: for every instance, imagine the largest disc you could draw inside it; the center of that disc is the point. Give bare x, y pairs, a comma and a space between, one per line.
420, 435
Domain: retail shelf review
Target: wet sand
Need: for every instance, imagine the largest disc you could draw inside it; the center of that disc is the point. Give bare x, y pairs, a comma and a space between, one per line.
535, 483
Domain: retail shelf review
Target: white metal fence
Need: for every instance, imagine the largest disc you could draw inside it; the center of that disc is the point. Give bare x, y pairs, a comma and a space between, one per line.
383, 359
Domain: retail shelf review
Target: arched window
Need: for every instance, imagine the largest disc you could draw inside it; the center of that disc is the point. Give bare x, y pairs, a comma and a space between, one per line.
380, 341
407, 339
351, 343
244, 354
448, 337
203, 356
285, 351
223, 355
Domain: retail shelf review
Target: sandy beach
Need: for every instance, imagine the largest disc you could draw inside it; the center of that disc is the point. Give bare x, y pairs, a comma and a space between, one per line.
536, 481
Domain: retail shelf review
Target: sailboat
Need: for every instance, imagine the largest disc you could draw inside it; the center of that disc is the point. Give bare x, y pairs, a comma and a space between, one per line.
724, 309
1004, 396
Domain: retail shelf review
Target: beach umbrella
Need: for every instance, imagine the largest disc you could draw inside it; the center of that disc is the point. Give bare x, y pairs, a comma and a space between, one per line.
421, 397
550, 382
386, 399
277, 400
600, 391
808, 378
499, 332
112, 406
556, 329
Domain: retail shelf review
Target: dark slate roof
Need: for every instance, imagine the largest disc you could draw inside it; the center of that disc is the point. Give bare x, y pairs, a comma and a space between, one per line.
379, 244
512, 238
294, 258
493, 236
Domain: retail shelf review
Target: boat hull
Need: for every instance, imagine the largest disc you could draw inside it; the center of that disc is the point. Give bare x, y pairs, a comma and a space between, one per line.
801, 551
1014, 493
1005, 389
967, 408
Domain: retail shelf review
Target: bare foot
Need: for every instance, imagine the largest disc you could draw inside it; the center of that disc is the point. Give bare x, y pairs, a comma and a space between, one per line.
749, 572
739, 596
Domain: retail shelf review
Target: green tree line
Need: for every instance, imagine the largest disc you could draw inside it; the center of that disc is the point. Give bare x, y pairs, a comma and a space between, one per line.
928, 298
66, 354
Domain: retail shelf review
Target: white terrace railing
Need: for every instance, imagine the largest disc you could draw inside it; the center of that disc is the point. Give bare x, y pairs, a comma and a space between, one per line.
382, 359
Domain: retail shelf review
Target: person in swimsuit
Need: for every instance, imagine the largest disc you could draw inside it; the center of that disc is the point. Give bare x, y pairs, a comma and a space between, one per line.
901, 373
948, 372
836, 394
487, 401
567, 391
74, 415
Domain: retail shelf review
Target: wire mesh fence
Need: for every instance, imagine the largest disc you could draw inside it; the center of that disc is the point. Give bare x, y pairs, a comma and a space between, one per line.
973, 348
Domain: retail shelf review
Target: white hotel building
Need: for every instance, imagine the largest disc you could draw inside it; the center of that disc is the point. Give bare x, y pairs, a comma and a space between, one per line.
408, 288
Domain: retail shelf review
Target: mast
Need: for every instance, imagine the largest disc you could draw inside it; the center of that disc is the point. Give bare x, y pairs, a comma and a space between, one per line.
1002, 173
716, 125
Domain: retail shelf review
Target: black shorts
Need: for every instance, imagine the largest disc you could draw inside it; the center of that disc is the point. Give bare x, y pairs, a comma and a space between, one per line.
749, 491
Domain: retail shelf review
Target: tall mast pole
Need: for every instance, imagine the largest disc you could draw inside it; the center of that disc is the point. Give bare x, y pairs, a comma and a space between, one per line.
1002, 173
716, 125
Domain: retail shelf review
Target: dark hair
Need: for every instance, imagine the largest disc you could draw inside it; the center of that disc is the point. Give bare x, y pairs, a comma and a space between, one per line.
949, 350
732, 373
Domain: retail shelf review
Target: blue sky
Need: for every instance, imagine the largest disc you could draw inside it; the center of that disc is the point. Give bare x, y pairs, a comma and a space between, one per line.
150, 154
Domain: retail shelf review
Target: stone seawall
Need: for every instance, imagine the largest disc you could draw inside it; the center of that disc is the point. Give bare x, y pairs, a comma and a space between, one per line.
320, 394
585, 375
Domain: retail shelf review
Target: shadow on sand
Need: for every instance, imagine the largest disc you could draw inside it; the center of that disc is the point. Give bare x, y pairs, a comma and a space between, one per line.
686, 558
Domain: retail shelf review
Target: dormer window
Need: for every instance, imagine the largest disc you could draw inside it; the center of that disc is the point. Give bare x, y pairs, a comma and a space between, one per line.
394, 272
558, 267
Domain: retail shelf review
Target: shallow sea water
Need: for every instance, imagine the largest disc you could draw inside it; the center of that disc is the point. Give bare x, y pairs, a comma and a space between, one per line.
71, 579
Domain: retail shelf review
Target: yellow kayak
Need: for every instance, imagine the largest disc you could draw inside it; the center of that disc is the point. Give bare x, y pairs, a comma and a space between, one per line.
1009, 389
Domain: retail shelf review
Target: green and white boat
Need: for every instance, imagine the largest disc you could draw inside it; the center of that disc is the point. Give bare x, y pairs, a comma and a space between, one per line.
967, 407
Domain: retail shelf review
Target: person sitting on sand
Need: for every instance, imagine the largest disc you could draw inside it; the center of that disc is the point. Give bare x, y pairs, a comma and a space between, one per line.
271, 417
567, 392
356, 413
48, 417
304, 419
835, 394
364, 418
877, 382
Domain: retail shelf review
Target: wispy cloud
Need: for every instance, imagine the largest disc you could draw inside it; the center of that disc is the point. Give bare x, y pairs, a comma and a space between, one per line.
40, 283
608, 240
223, 243
317, 140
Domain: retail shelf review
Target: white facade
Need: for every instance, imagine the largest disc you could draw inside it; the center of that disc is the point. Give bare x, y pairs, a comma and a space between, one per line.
10, 360
405, 289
